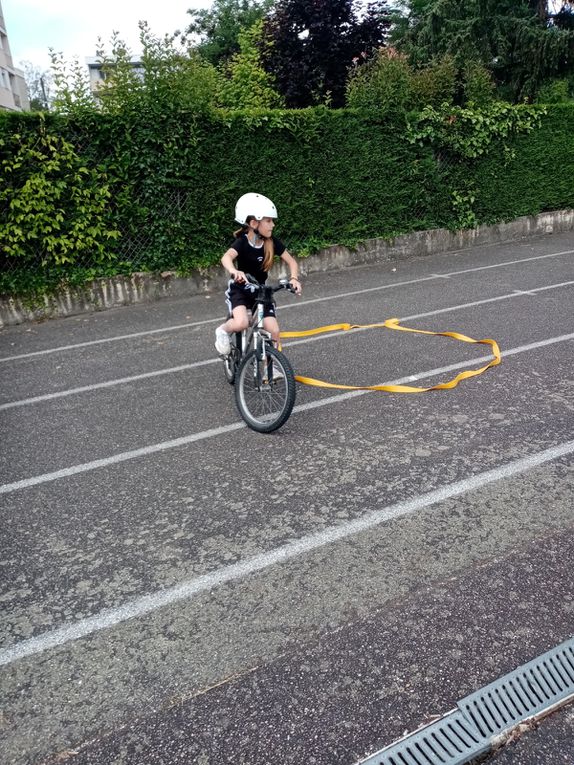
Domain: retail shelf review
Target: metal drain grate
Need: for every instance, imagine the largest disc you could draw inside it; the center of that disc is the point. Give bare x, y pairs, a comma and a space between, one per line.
527, 691
468, 731
452, 740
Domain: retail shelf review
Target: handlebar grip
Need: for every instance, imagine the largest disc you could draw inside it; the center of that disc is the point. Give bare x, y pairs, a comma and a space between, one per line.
283, 284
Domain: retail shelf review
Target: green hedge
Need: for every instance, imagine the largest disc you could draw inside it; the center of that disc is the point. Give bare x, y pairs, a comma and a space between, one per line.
540, 177
336, 176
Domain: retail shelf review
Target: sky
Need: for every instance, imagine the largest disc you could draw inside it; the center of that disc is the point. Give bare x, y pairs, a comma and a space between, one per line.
73, 26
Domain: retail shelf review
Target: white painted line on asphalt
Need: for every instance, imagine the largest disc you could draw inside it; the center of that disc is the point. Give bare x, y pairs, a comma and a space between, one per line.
107, 384
145, 451
184, 367
111, 617
121, 457
338, 296
510, 262
113, 339
550, 287
515, 293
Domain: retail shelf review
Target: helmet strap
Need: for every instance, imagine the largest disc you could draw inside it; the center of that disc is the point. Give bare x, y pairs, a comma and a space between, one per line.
257, 238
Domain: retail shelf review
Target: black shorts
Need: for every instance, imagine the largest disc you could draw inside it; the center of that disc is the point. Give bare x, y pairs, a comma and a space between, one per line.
241, 294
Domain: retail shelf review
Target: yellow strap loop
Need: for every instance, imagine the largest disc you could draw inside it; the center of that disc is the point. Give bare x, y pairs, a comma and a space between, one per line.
394, 324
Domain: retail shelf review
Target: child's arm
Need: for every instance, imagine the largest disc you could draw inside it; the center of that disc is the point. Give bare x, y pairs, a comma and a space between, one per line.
228, 262
293, 271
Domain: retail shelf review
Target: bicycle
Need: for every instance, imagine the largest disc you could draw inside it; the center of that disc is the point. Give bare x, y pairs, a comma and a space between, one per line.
263, 377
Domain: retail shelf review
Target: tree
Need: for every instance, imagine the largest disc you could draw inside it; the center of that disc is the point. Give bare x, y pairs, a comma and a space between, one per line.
40, 86
314, 43
218, 27
523, 43
244, 82
71, 85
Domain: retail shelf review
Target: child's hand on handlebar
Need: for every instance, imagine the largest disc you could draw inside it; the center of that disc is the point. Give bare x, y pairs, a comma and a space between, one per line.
295, 285
238, 276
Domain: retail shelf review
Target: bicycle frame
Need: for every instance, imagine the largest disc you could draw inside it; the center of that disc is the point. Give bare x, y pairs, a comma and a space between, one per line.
249, 336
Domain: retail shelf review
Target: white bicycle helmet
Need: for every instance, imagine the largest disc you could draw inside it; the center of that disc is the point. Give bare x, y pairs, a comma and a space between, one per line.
255, 205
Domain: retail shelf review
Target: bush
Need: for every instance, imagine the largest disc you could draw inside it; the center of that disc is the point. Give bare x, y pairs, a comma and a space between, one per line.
168, 78
387, 83
53, 206
435, 84
556, 92
478, 85
168, 182
383, 84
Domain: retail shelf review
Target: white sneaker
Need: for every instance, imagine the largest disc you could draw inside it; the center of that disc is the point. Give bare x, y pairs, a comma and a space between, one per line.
222, 344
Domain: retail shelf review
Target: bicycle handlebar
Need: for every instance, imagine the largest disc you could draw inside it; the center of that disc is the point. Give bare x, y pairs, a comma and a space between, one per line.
282, 284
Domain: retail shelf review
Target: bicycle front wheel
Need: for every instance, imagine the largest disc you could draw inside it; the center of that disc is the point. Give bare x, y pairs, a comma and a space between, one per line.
265, 390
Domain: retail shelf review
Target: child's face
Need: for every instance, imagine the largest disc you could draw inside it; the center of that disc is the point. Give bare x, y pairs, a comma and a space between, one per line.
265, 227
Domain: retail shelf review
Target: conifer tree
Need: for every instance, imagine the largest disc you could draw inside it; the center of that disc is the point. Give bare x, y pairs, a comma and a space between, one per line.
523, 43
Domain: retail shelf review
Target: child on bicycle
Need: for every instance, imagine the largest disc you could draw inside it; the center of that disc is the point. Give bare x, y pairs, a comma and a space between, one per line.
252, 252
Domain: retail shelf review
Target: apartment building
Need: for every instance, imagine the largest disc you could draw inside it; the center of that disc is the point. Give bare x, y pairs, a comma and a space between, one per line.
13, 90
97, 74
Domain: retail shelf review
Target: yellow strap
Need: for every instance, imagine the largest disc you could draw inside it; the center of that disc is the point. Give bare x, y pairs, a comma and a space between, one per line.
394, 324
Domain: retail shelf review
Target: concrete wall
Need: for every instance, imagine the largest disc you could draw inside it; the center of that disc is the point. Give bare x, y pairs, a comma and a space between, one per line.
101, 294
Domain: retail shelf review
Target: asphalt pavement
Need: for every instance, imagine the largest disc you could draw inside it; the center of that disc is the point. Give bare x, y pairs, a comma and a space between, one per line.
178, 588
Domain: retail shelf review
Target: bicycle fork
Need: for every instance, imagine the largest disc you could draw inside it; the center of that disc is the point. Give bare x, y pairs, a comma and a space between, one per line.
263, 368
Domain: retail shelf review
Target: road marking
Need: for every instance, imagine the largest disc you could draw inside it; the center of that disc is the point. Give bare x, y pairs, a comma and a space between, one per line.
87, 343
174, 327
195, 364
107, 384
145, 451
111, 617
121, 457
514, 293
510, 263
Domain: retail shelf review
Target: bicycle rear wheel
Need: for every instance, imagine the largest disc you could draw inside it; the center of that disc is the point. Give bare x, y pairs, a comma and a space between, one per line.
265, 390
